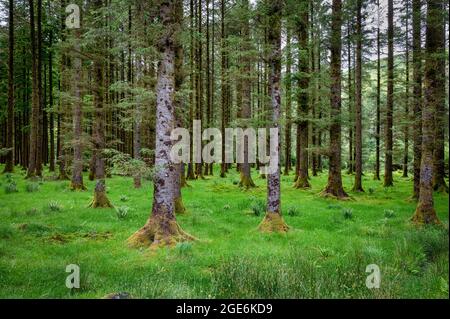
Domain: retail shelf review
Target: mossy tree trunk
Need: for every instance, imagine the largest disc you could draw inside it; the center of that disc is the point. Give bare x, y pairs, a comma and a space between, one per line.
334, 187
273, 221
162, 228
433, 82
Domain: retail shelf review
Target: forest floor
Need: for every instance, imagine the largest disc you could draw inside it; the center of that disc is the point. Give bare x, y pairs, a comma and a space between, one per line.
44, 227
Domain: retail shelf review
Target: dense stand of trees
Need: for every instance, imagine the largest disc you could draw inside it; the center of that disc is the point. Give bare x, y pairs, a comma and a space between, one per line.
103, 97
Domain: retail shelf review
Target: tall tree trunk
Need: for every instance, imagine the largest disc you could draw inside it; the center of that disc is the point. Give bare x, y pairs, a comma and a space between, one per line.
433, 82
52, 113
34, 124
190, 171
417, 94
246, 178
162, 228
358, 100
303, 96
406, 126
351, 94
100, 199
77, 118
388, 179
439, 183
287, 133
378, 120
223, 89
40, 136
273, 221
334, 187
179, 207
9, 166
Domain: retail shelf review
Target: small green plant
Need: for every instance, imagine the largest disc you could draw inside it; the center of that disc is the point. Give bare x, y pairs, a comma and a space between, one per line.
31, 212
371, 190
6, 231
32, 187
235, 182
389, 213
347, 213
293, 211
54, 206
226, 207
8, 177
258, 207
122, 212
184, 248
11, 187
124, 198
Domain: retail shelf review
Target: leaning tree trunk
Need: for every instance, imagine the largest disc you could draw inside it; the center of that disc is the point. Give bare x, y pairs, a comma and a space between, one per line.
433, 82
303, 97
273, 221
417, 94
100, 199
388, 179
162, 228
357, 187
77, 117
334, 187
9, 167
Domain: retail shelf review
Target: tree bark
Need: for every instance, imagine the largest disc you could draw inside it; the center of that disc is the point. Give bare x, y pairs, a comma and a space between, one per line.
9, 165
357, 187
334, 187
303, 96
388, 178
433, 81
273, 221
77, 118
288, 128
378, 112
417, 94
162, 228
100, 199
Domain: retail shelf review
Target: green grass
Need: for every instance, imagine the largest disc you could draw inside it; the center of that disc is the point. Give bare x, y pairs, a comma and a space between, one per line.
323, 256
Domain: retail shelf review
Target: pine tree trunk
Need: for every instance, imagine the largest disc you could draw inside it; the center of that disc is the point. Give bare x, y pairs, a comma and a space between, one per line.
334, 187
34, 123
358, 100
9, 165
77, 118
162, 228
287, 150
100, 199
350, 100
52, 113
303, 96
273, 221
406, 126
433, 82
417, 94
388, 178
378, 112
224, 85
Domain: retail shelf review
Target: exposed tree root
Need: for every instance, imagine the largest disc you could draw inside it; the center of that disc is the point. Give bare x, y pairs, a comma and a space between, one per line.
273, 222
100, 201
159, 231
